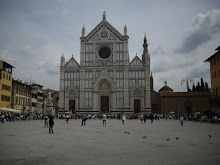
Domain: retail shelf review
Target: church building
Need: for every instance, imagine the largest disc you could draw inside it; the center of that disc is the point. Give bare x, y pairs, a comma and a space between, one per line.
105, 80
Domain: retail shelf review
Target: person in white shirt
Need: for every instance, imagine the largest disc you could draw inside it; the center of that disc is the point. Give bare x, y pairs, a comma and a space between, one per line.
181, 120
104, 119
45, 121
3, 118
67, 118
123, 118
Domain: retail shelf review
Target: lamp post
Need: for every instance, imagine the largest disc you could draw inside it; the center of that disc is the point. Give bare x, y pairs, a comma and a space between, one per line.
187, 80
188, 104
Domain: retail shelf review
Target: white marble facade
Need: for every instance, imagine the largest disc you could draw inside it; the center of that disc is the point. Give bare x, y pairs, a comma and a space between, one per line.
105, 81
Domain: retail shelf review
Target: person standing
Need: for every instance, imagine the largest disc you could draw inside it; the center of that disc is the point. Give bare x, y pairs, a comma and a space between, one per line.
104, 119
181, 120
51, 123
151, 117
45, 121
141, 117
83, 119
145, 118
3, 118
123, 118
67, 119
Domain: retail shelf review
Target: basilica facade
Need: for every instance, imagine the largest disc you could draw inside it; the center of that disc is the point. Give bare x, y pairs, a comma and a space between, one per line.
105, 80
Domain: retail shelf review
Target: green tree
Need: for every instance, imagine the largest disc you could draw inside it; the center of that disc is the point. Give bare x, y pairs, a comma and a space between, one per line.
202, 87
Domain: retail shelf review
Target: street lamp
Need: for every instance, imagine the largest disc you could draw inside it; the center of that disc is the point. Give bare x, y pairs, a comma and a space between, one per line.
187, 80
188, 103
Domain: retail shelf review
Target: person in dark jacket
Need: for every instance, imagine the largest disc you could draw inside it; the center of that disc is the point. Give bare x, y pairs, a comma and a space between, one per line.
145, 118
51, 123
151, 117
84, 118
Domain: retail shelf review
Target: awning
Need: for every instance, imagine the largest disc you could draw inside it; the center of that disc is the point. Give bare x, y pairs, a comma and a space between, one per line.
9, 110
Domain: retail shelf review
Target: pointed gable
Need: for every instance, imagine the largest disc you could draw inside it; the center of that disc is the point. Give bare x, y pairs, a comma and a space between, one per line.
72, 63
72, 91
137, 90
71, 86
104, 74
112, 37
104, 24
136, 61
96, 38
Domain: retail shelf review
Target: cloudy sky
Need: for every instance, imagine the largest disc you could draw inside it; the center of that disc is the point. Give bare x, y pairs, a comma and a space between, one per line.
181, 35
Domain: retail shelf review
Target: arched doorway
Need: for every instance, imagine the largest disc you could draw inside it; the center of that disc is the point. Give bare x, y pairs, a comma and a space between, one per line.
138, 99
72, 97
104, 96
104, 108
137, 106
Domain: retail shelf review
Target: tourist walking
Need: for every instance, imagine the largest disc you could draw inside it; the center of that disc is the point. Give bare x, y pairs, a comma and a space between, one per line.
67, 119
145, 118
84, 119
51, 123
104, 119
123, 118
141, 117
3, 118
45, 121
151, 117
181, 120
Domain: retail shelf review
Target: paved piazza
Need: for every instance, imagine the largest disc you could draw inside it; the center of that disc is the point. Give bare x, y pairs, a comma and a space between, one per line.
28, 142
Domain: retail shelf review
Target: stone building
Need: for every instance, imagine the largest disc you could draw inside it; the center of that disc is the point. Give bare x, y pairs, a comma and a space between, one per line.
5, 84
21, 97
166, 100
215, 79
37, 98
105, 80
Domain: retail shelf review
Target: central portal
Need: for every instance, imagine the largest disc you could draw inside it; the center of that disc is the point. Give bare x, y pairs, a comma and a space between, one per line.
137, 106
104, 104
72, 106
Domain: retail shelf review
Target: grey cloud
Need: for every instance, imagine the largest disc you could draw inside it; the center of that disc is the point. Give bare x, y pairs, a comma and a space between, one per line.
200, 72
194, 40
50, 69
204, 27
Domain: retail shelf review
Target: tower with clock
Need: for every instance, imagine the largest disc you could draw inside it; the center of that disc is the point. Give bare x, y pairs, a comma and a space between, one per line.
105, 80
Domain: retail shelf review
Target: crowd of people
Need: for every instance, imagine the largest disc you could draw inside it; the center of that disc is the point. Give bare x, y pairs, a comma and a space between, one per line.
141, 116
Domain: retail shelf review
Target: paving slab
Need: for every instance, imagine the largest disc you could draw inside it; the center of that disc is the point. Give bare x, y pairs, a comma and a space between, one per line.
29, 142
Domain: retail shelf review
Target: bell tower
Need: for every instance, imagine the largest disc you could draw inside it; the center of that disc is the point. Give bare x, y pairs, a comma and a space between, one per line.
145, 55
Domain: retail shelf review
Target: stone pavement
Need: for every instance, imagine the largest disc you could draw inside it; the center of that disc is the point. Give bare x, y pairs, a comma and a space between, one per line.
28, 142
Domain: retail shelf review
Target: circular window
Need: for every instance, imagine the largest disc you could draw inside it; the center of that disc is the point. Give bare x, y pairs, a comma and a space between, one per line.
104, 53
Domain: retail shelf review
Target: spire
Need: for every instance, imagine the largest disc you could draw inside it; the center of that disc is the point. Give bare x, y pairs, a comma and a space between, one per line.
83, 31
62, 60
145, 45
104, 16
145, 56
145, 39
125, 30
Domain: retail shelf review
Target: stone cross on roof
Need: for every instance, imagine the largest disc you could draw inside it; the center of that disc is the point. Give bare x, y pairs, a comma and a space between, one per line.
104, 16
